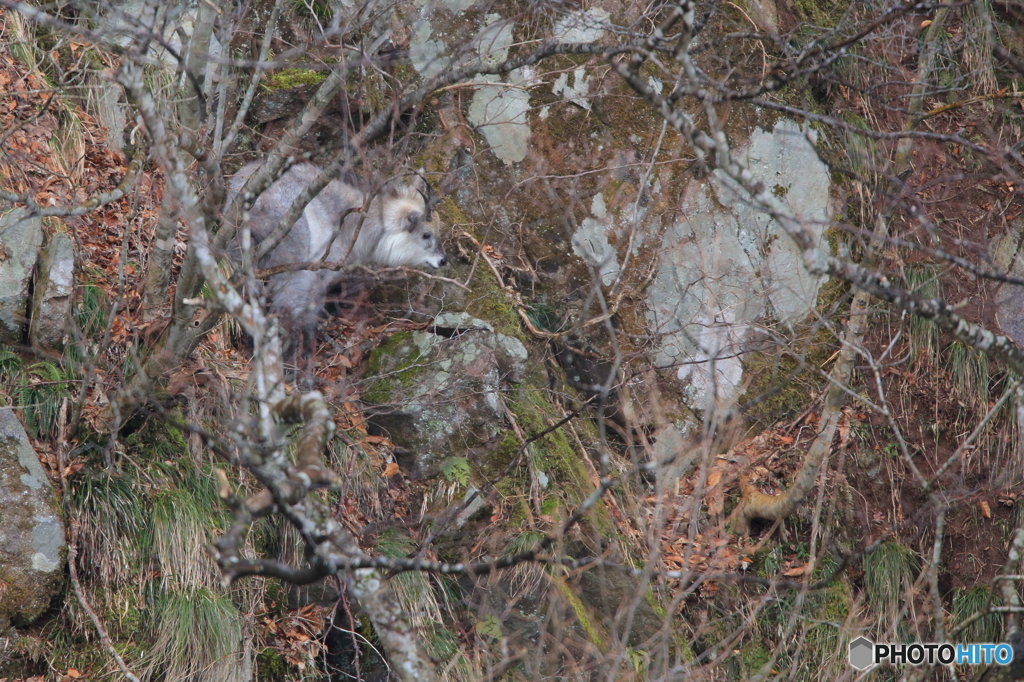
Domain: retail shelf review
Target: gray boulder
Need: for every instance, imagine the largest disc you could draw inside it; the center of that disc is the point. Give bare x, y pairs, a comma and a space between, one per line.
1009, 298
438, 392
51, 302
724, 266
32, 549
20, 239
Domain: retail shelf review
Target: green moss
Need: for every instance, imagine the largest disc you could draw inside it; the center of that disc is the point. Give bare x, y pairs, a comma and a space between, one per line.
66, 650
122, 614
275, 598
550, 507
405, 73
830, 608
486, 300
582, 615
555, 456
820, 12
286, 79
767, 372
271, 665
387, 349
503, 452
490, 304
552, 454
158, 440
399, 354
375, 89
787, 387
752, 657
565, 122
451, 215
830, 292
834, 237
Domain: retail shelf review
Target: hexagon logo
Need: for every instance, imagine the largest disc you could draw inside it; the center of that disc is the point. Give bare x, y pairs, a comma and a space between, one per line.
862, 653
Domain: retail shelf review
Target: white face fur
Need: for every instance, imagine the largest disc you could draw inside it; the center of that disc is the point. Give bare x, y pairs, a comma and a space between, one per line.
408, 238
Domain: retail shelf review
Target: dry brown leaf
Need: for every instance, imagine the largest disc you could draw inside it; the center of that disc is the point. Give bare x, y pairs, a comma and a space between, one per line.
492, 252
844, 428
390, 470
796, 571
72, 469
713, 478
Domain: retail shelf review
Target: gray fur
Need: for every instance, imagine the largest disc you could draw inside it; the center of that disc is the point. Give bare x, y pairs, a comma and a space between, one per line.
396, 230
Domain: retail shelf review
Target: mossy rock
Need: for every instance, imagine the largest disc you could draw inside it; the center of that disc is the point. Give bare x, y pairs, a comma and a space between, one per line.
439, 394
286, 79
32, 548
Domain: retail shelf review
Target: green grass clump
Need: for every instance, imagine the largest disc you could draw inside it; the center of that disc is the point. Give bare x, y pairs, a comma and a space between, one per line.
527, 575
923, 280
966, 603
416, 594
198, 636
36, 391
313, 11
91, 310
969, 368
115, 534
888, 577
180, 527
824, 641
142, 534
546, 317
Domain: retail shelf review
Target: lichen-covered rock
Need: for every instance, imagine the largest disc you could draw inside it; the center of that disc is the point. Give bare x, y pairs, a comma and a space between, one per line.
119, 19
590, 242
51, 302
439, 392
725, 265
20, 239
499, 111
1008, 257
32, 550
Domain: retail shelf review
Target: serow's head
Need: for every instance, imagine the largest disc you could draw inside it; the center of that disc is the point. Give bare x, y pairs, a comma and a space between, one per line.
411, 229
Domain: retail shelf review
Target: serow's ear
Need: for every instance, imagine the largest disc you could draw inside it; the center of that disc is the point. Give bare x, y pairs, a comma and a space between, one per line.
420, 184
412, 221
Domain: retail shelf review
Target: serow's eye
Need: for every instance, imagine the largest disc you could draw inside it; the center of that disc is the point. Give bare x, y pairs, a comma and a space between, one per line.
426, 235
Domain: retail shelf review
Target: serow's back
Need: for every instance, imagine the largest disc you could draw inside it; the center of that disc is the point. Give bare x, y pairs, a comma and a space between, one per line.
396, 228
